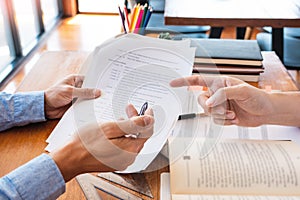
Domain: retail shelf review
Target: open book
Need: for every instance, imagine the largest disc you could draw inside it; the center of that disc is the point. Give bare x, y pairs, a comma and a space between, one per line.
234, 169
131, 69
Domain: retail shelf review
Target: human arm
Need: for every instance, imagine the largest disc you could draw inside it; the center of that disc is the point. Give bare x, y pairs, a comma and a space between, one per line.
29, 107
96, 147
232, 101
20, 109
38, 179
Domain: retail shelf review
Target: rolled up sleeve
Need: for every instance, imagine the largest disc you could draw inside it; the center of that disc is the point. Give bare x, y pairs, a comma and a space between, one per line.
40, 178
21, 108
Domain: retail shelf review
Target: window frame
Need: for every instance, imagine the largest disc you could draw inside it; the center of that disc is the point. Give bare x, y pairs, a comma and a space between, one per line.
105, 13
18, 53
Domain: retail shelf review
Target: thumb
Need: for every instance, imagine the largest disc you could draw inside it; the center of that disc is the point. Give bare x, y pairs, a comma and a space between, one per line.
86, 93
237, 92
136, 124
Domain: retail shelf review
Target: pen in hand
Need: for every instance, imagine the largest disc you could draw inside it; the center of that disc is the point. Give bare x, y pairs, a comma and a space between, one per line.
142, 112
191, 116
143, 109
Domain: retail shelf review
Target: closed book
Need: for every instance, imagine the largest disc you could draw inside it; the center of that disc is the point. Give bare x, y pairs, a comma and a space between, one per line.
246, 77
225, 69
243, 77
227, 51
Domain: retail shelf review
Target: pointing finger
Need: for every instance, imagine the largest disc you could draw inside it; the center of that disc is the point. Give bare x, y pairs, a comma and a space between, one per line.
193, 80
86, 93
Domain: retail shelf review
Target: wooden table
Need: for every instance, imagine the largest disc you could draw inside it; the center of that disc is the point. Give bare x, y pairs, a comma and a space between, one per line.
253, 13
21, 144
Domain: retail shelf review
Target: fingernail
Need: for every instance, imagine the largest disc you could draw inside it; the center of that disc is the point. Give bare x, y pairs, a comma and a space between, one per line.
171, 83
210, 101
230, 115
228, 83
147, 120
97, 92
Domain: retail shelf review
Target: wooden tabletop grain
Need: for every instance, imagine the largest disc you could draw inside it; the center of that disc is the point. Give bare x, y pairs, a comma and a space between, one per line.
254, 13
21, 144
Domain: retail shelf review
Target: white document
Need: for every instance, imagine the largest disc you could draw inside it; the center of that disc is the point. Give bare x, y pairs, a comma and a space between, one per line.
165, 190
132, 69
205, 127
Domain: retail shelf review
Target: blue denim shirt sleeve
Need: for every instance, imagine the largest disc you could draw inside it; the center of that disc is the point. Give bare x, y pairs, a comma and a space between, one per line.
40, 178
21, 108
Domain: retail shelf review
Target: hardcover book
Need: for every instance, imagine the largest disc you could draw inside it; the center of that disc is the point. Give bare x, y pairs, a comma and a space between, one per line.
227, 51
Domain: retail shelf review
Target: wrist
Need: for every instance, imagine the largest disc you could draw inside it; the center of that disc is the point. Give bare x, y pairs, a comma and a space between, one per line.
285, 108
69, 160
46, 106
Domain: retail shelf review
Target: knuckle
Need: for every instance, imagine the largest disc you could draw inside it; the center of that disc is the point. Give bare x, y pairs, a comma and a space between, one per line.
244, 87
68, 89
108, 129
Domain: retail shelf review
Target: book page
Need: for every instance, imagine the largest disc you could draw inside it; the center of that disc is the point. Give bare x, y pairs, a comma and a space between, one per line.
229, 197
165, 194
236, 167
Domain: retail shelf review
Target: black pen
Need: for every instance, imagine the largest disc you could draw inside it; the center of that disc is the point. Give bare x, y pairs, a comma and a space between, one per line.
142, 112
191, 115
143, 108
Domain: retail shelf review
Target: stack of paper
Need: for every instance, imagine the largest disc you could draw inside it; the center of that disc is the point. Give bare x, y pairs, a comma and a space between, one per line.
131, 69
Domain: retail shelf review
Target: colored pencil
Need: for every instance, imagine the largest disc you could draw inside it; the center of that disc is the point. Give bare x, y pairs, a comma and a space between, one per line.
122, 19
126, 16
139, 20
144, 15
148, 17
132, 17
136, 15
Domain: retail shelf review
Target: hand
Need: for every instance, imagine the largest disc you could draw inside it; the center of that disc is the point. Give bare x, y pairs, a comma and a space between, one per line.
230, 100
103, 147
58, 98
132, 112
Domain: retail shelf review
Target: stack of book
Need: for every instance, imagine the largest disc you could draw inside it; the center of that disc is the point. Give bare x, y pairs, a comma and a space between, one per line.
238, 58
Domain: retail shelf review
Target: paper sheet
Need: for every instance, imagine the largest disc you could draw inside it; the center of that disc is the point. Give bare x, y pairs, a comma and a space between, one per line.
165, 191
204, 127
131, 69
